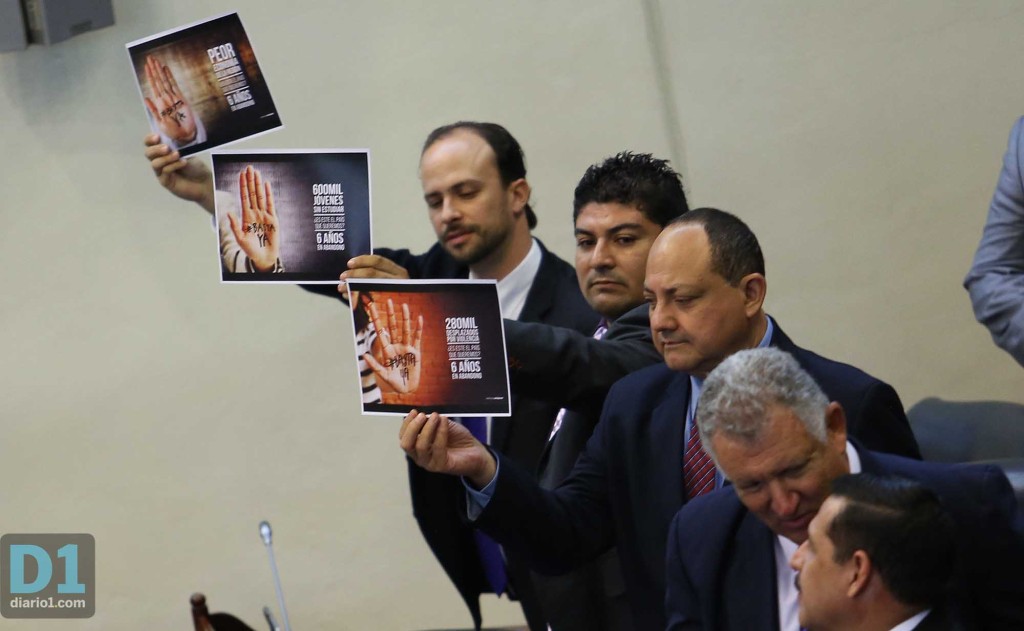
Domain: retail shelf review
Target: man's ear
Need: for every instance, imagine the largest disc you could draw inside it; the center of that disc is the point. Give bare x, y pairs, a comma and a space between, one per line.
861, 570
835, 426
755, 288
518, 192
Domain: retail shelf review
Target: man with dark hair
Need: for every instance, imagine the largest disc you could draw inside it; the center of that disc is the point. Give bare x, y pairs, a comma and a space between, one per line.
774, 433
644, 460
620, 206
474, 183
879, 555
633, 179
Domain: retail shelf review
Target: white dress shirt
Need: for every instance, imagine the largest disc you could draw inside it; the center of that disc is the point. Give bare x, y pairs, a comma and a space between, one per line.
911, 623
513, 290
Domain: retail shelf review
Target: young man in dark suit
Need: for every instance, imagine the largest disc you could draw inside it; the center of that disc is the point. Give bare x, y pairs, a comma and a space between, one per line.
705, 286
781, 442
620, 205
474, 184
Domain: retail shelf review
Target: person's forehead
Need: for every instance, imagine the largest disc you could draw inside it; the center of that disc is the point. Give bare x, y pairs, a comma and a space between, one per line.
782, 443
460, 147
819, 526
602, 216
681, 254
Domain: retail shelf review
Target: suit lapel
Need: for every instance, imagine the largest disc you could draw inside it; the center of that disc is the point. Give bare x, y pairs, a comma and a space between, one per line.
662, 456
539, 301
541, 296
751, 602
781, 341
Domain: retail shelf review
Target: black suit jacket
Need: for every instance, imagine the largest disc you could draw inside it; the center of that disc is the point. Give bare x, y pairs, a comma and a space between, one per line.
628, 483
725, 579
575, 371
938, 619
554, 299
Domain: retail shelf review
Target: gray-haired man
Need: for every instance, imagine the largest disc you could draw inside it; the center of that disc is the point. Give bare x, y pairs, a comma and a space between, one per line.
773, 432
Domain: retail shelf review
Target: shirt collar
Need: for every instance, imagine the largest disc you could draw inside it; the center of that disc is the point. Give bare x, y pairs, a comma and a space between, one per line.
911, 623
696, 383
853, 458
512, 289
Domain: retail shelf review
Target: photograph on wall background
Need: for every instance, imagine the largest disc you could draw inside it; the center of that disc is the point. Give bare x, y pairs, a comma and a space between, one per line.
202, 86
430, 345
294, 216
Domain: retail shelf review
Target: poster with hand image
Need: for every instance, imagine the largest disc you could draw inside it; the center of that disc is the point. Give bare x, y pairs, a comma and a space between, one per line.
291, 216
430, 345
202, 86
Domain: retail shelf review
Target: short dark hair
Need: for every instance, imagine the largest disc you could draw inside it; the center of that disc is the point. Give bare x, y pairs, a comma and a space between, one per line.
509, 155
635, 179
735, 251
904, 530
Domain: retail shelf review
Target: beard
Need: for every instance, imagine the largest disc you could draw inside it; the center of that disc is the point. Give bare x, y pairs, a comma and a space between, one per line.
480, 245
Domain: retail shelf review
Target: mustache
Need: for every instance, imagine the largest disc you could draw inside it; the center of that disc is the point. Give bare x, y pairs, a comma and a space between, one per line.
603, 278
456, 229
665, 339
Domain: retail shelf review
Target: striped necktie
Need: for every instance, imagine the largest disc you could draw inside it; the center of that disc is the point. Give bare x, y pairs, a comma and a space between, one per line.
698, 469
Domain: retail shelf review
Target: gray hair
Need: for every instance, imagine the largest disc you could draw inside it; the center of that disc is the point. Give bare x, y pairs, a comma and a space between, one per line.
739, 392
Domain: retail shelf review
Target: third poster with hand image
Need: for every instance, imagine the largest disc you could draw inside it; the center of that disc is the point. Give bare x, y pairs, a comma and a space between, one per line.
202, 86
430, 345
291, 216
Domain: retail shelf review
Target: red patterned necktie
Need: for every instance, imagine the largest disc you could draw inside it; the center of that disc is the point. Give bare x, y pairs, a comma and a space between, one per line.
698, 469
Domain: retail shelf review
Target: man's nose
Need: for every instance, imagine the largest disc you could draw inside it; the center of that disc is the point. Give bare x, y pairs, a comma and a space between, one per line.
797, 560
601, 257
784, 501
450, 210
660, 318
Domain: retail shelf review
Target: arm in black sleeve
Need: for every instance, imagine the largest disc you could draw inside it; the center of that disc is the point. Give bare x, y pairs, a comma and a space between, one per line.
553, 530
572, 370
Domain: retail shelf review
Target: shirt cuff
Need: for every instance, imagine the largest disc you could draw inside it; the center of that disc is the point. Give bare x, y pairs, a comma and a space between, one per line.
477, 501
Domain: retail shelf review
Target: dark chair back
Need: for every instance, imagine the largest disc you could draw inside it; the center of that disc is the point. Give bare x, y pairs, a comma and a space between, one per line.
973, 431
968, 431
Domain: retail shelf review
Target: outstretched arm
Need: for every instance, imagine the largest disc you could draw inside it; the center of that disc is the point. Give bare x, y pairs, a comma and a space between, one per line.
440, 445
370, 266
573, 370
190, 180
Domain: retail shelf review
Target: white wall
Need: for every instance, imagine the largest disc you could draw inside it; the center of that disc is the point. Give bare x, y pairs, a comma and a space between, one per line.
166, 414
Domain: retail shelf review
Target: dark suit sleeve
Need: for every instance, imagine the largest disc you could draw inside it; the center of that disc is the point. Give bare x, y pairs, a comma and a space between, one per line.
572, 370
880, 423
681, 603
554, 531
411, 262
